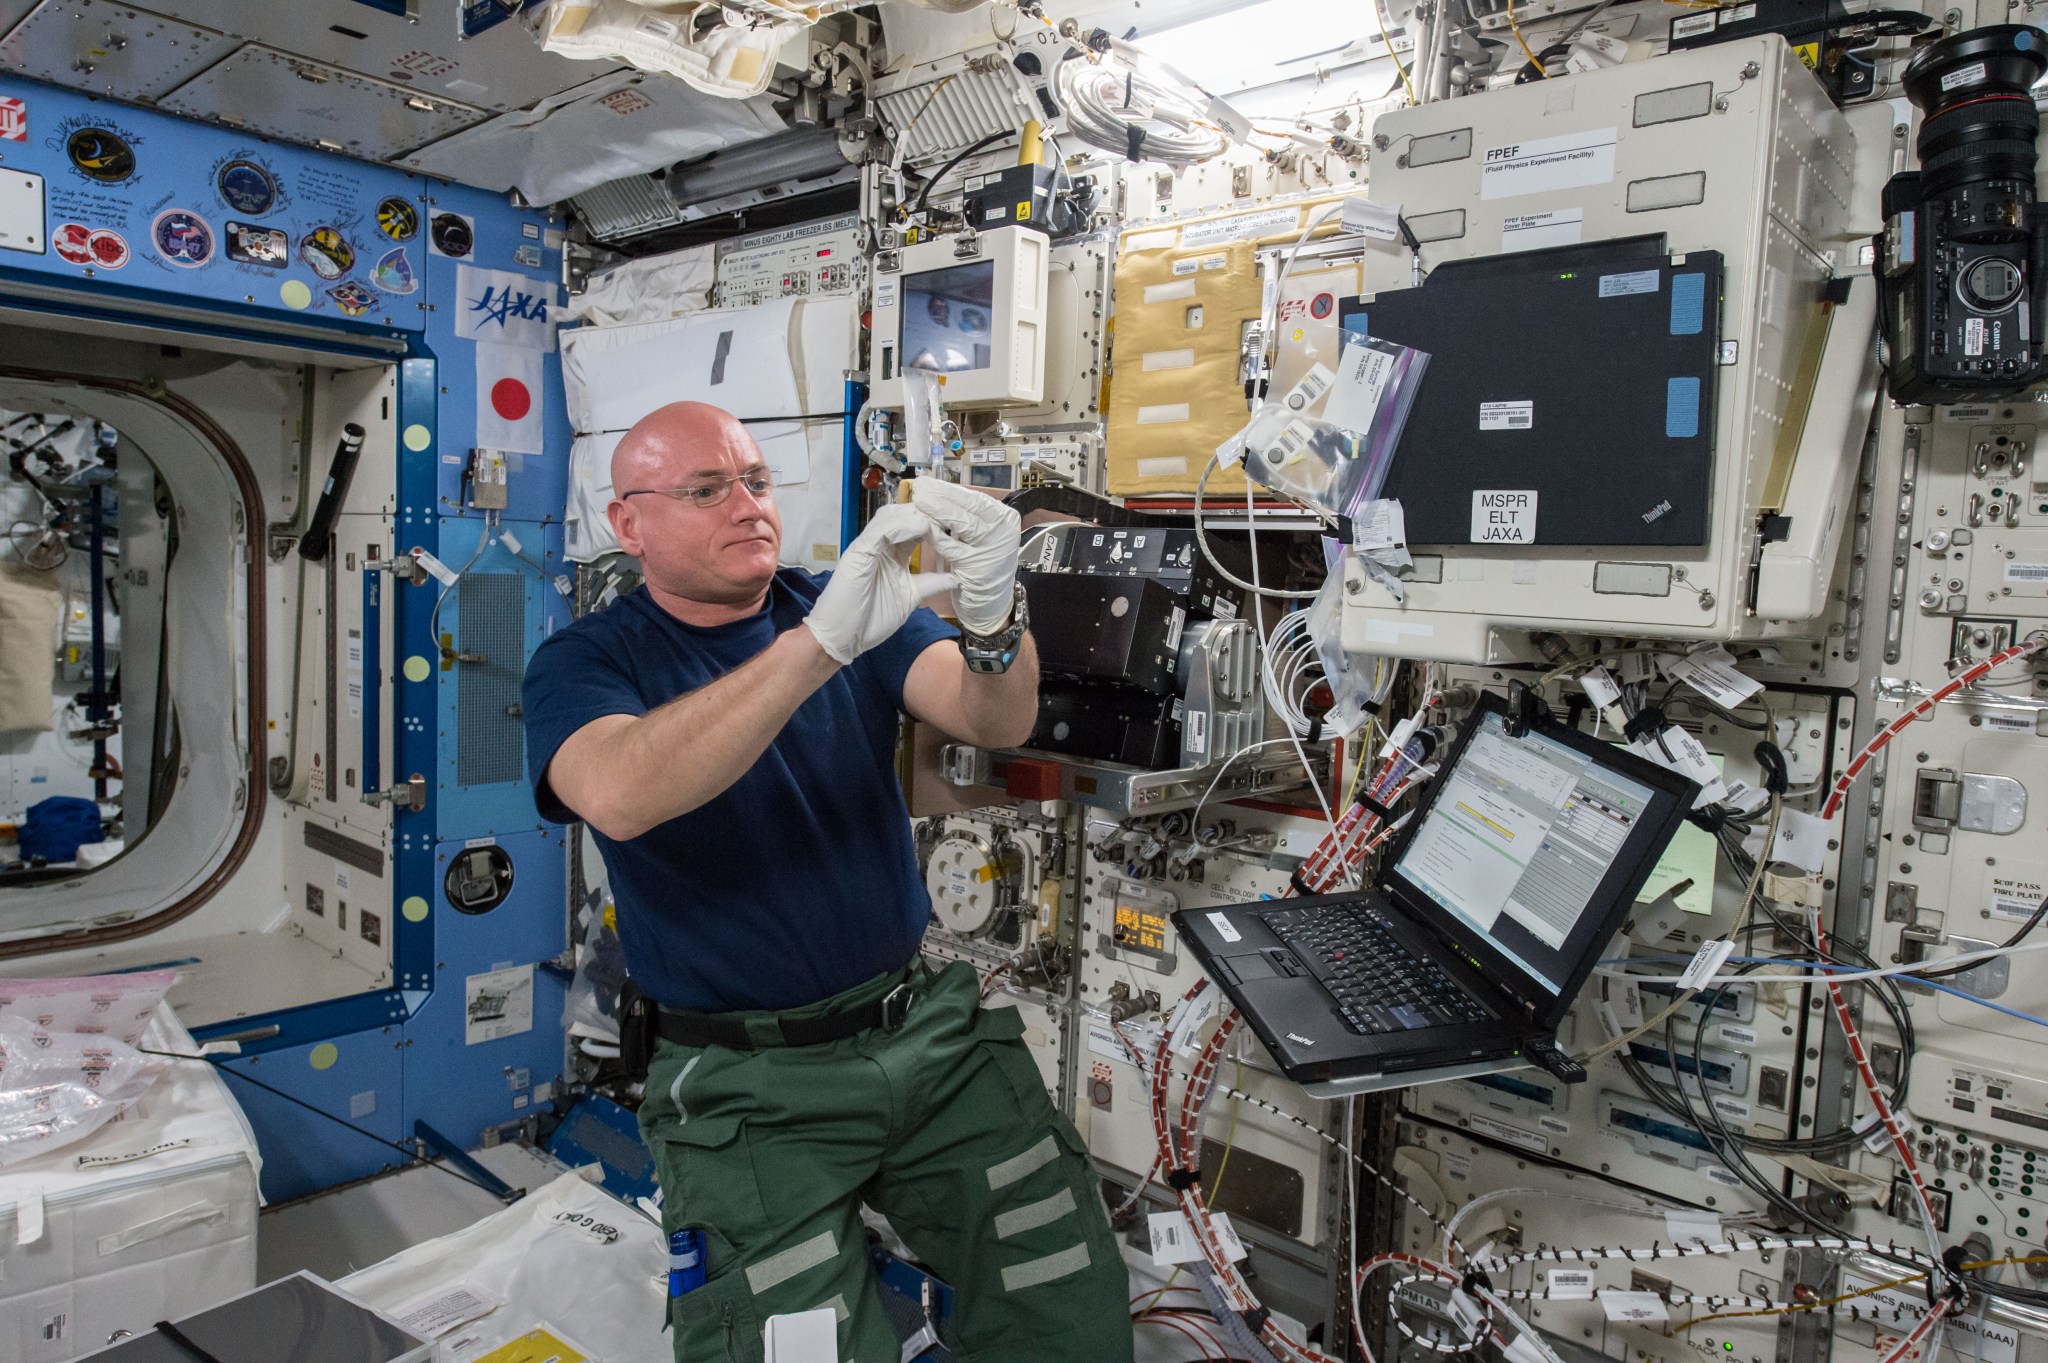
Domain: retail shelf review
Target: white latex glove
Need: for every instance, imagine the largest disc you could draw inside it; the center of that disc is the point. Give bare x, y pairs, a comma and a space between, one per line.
872, 591
978, 538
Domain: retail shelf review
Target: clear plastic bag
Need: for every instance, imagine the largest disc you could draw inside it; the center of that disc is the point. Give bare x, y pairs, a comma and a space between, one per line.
60, 1087
1330, 439
592, 1005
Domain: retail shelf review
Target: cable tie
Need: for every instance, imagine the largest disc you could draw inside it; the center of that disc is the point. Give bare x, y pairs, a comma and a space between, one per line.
1474, 1282
1646, 722
1180, 1180
1256, 1318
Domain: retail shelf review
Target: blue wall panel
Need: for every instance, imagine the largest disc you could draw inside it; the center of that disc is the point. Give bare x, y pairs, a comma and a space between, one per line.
495, 808
361, 255
143, 202
358, 1076
459, 1087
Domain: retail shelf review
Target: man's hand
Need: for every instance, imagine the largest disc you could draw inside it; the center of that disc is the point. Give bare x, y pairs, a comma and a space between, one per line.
978, 540
873, 591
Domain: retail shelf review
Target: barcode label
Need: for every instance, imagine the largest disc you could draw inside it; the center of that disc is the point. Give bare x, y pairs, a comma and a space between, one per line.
1506, 416
2026, 572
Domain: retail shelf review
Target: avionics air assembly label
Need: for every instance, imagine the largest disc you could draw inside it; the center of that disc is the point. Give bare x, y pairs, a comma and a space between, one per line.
1566, 161
1533, 231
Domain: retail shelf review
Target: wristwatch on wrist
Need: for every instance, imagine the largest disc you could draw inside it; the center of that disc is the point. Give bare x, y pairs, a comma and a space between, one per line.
995, 652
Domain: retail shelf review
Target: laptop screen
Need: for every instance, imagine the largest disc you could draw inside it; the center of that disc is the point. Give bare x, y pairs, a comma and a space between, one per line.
1518, 842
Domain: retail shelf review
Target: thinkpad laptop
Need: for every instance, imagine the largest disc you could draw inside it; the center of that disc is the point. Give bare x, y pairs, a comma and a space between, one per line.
1491, 908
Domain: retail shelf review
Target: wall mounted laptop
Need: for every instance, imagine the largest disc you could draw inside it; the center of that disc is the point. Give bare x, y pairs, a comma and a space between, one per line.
1490, 910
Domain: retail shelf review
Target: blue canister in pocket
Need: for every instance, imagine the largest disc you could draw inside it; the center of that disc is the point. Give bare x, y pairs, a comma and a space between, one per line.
685, 1262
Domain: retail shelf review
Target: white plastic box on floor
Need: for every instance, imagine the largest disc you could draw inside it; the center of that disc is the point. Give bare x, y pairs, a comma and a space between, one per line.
152, 1217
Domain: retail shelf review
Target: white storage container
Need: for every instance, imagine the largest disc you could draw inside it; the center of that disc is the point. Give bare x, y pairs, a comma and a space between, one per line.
152, 1217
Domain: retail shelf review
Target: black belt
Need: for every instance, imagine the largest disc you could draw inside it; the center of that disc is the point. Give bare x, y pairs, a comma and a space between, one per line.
685, 1028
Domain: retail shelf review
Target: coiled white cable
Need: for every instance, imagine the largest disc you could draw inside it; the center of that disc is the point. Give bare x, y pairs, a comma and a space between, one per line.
1127, 102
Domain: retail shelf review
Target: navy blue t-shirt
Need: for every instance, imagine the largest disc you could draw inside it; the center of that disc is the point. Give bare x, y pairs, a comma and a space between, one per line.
798, 881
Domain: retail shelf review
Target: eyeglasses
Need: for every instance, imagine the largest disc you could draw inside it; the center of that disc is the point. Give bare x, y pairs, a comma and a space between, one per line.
710, 492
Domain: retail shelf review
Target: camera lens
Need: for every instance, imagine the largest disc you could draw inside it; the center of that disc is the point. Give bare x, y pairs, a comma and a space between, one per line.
1976, 90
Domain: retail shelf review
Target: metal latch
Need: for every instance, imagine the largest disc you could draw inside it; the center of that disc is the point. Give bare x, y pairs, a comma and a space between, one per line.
1937, 799
966, 246
404, 566
409, 795
1974, 802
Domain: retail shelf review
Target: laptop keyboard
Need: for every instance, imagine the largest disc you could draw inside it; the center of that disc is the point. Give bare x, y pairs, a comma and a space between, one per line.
1380, 986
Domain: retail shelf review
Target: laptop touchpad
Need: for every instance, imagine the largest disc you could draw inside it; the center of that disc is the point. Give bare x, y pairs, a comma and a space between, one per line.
1270, 964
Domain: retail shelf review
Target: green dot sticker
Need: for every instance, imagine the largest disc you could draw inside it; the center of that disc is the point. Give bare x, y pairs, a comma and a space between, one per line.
324, 1055
418, 437
295, 294
414, 908
417, 669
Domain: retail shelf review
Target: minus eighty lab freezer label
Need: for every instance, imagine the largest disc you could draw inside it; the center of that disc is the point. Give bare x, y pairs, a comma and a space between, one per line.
1506, 416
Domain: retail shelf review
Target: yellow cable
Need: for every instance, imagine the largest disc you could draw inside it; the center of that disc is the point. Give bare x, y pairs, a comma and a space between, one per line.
1860, 1292
1524, 41
1379, 13
1215, 1184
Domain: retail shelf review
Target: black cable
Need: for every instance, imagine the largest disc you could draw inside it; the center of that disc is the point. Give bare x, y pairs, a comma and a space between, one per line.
407, 1151
924, 194
2033, 919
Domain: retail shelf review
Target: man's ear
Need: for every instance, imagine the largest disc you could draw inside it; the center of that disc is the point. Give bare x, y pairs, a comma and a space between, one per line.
625, 526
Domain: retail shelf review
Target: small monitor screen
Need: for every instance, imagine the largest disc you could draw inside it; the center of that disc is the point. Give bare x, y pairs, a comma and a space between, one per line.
1520, 839
946, 318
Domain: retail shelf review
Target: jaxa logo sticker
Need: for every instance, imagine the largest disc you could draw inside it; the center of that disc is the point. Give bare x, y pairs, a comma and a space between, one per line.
182, 238
502, 305
101, 154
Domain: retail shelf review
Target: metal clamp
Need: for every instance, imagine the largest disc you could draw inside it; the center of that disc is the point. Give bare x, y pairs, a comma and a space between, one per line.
399, 565
896, 1007
409, 795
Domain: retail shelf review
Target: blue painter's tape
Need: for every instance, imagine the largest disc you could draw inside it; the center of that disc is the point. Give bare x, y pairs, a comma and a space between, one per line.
1682, 408
1688, 304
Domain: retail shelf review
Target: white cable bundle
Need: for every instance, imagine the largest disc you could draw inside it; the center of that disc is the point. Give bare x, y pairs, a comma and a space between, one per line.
1294, 669
1122, 92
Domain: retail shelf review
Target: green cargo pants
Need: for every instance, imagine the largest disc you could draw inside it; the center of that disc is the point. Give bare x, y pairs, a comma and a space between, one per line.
944, 1127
